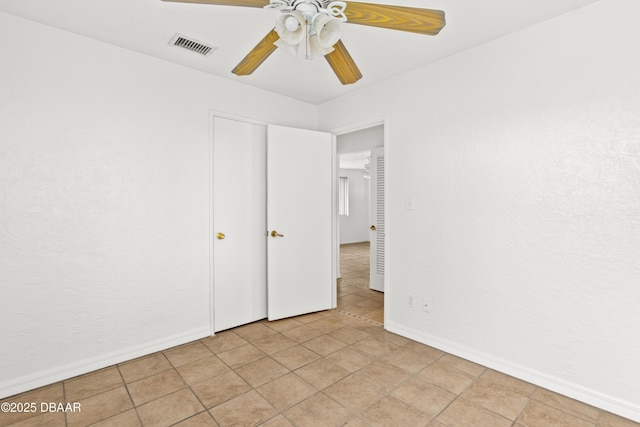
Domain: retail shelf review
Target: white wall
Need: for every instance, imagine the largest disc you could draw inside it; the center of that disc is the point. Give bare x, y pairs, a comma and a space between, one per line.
360, 140
354, 227
523, 158
104, 200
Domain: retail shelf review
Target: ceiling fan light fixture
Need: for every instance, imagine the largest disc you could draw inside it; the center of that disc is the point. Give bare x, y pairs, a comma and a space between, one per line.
291, 27
328, 30
307, 35
291, 23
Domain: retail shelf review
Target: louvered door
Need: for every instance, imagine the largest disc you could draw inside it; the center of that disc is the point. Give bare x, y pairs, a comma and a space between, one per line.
376, 275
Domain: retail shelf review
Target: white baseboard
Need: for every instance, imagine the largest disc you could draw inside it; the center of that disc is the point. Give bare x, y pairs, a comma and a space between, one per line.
50, 376
591, 397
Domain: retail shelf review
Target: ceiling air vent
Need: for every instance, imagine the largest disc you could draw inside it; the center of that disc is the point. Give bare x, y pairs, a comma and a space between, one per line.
192, 45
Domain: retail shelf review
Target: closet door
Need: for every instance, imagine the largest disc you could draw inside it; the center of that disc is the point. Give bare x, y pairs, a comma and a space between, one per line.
376, 264
299, 215
239, 223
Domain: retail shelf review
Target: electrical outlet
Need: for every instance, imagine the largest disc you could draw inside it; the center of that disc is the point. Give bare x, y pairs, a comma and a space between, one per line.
411, 301
426, 305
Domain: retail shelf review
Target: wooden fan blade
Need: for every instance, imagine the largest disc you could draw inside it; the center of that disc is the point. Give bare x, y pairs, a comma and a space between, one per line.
245, 3
343, 65
257, 55
414, 20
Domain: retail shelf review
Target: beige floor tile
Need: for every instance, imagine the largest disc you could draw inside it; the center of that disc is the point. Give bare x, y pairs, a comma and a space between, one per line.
274, 343
374, 346
375, 295
508, 382
568, 405
377, 315
424, 396
202, 369
330, 323
249, 409
350, 299
390, 411
351, 359
242, 355
370, 303
144, 367
407, 359
261, 371
170, 409
349, 334
302, 333
296, 357
446, 377
356, 309
155, 386
286, 391
324, 345
355, 393
223, 341
217, 390
203, 419
383, 374
537, 414
318, 411
469, 368
282, 325
425, 351
91, 384
51, 393
47, 419
311, 317
128, 418
187, 353
610, 420
356, 422
322, 373
100, 407
254, 331
496, 398
464, 414
279, 421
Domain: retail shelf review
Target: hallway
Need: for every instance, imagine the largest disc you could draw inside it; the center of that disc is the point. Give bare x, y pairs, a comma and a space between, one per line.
354, 295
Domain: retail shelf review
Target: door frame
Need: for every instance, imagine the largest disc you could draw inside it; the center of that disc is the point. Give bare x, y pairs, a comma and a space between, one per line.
384, 121
211, 239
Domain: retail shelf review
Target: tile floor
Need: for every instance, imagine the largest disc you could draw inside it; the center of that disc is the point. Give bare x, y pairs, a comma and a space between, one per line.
333, 368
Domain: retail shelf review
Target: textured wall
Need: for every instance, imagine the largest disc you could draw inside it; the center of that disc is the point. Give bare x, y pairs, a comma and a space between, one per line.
104, 200
523, 156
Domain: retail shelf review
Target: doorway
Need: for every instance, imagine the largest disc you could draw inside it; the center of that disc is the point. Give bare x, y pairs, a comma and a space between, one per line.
361, 231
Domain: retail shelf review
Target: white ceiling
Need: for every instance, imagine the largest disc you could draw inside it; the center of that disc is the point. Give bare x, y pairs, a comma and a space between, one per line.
146, 26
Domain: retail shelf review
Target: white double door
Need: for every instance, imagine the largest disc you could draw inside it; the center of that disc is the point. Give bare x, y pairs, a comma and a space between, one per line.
272, 222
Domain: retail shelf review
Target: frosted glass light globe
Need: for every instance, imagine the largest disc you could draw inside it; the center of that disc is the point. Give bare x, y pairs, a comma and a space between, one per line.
291, 23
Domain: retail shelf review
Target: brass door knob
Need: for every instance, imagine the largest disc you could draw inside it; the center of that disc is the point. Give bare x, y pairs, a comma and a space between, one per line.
274, 233
373, 228
220, 236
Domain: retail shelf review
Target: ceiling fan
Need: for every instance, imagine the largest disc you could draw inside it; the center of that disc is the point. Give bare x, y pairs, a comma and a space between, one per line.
311, 28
